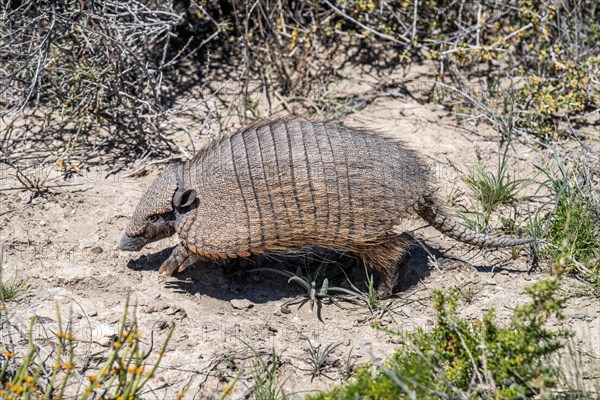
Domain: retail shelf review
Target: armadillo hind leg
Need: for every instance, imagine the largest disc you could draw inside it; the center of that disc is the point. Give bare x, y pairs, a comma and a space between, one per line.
385, 258
179, 260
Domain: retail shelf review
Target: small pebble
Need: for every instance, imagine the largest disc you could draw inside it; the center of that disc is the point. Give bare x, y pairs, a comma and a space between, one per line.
97, 250
241, 304
178, 313
150, 309
285, 309
162, 325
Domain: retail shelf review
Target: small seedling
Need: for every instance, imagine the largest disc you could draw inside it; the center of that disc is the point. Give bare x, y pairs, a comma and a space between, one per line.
265, 374
367, 297
320, 359
349, 365
230, 362
317, 288
469, 291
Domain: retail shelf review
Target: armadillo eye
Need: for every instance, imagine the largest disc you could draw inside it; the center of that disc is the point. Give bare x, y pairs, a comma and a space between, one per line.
153, 218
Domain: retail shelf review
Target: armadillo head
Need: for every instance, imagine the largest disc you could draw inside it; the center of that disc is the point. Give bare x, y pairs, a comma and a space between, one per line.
155, 216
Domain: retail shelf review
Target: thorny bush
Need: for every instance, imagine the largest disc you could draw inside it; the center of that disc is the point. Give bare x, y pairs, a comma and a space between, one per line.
73, 68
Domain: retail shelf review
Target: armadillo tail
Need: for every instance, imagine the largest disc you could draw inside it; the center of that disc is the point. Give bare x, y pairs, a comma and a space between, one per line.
437, 218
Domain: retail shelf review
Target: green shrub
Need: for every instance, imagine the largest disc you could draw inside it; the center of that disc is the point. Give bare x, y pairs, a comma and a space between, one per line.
464, 359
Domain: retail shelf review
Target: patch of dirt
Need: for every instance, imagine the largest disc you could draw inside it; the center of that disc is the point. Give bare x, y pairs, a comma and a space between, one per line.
65, 244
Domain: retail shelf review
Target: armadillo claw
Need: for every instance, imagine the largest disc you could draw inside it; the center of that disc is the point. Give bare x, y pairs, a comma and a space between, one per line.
179, 260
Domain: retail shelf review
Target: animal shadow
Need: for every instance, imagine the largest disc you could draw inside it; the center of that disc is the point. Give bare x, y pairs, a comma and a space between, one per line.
251, 279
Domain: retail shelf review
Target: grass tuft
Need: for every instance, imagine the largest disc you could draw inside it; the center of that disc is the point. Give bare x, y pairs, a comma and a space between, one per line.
10, 289
491, 189
267, 384
573, 228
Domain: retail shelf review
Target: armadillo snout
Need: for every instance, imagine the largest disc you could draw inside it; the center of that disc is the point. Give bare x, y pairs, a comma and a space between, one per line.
160, 229
132, 243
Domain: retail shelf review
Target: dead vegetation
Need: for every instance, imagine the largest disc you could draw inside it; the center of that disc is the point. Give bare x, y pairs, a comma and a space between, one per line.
107, 73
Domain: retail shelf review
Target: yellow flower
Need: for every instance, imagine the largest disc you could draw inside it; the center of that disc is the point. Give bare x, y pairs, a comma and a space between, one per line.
294, 39
18, 389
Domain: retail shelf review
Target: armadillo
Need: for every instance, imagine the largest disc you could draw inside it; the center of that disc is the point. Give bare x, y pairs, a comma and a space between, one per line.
295, 184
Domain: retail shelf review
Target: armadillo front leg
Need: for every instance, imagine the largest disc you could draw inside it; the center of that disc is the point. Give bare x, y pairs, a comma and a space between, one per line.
180, 259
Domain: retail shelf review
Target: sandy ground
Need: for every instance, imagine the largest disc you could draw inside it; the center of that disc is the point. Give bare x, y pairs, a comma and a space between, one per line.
65, 244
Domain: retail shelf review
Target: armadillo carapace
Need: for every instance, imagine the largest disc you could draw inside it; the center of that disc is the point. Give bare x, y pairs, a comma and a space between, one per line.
294, 184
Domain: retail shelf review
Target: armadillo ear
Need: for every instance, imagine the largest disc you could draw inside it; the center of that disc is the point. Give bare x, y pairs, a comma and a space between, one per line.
184, 198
